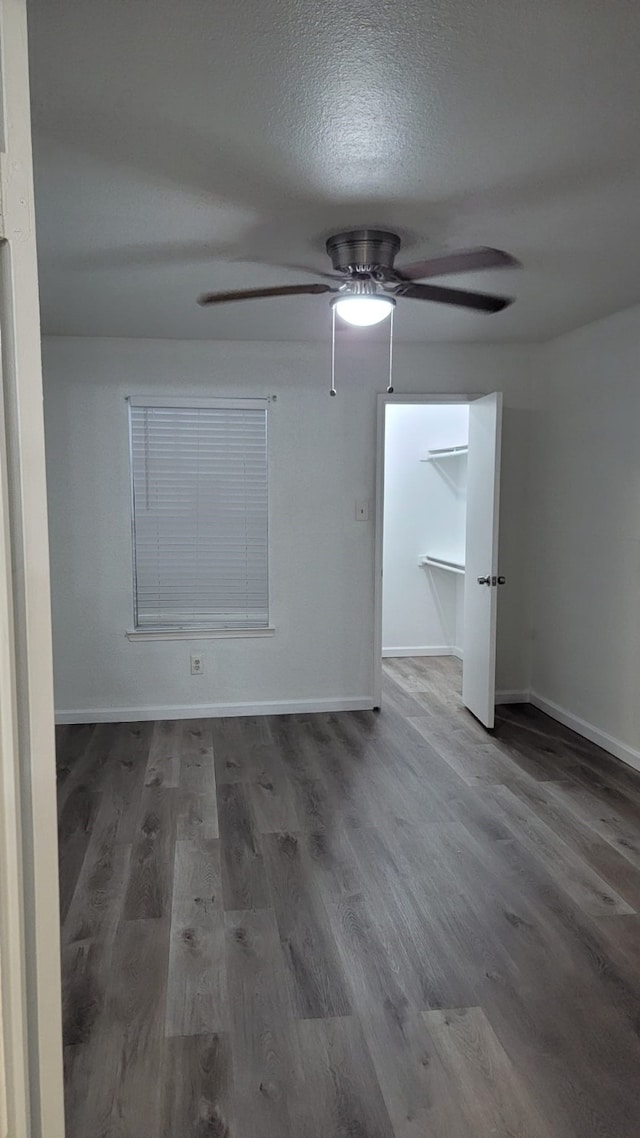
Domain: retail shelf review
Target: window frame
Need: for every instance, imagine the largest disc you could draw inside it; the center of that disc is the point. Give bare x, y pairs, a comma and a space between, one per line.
195, 631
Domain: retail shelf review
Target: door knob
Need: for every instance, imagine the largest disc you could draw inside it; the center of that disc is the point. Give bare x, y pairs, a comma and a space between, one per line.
502, 580
484, 580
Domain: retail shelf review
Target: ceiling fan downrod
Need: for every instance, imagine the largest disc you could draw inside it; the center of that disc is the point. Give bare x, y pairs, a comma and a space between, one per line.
364, 251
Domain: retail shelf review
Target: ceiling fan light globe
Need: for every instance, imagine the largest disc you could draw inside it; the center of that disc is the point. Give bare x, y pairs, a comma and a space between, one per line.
363, 311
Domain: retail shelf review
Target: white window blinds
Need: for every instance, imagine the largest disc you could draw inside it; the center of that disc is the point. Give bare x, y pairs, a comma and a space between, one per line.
200, 513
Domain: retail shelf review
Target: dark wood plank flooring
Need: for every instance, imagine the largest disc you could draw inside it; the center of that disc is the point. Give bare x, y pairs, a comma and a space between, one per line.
350, 925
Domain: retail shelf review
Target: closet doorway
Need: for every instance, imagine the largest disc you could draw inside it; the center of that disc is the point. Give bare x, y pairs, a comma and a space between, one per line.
436, 572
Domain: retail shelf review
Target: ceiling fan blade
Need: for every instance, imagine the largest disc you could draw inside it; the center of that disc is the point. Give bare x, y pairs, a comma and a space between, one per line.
466, 261
255, 293
311, 271
461, 298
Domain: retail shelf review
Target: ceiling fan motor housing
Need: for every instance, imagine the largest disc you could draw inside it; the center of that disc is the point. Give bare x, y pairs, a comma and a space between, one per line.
363, 250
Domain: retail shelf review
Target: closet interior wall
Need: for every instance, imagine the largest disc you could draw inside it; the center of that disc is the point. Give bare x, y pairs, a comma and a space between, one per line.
424, 525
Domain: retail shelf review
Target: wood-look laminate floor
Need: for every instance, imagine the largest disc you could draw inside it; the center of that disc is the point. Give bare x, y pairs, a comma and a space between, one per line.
350, 925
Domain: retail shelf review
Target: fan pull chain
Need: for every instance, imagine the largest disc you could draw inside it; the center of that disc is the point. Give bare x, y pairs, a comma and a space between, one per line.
333, 351
390, 387
332, 390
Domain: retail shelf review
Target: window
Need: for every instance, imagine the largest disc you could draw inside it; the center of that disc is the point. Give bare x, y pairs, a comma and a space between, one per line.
200, 513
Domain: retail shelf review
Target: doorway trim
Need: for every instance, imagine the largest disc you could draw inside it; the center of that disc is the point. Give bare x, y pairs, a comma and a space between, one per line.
419, 399
29, 910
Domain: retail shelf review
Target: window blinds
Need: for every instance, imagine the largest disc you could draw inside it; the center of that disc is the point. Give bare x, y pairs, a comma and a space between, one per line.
200, 513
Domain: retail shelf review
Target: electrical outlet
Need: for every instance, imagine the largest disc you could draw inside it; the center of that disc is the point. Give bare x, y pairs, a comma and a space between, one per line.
362, 511
197, 665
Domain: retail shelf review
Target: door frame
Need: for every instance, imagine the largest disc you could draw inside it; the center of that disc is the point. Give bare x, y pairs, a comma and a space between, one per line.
14, 1075
418, 399
31, 1022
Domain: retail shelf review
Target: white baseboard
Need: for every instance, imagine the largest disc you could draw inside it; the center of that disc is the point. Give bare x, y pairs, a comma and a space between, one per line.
587, 730
512, 697
458, 653
213, 710
426, 650
603, 739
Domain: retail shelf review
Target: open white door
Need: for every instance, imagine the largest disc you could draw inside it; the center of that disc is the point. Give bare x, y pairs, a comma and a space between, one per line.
481, 560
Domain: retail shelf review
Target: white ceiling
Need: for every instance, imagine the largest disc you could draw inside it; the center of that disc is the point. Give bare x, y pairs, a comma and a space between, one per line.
175, 142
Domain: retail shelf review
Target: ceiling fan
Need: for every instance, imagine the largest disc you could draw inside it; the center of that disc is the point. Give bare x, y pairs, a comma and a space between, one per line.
363, 260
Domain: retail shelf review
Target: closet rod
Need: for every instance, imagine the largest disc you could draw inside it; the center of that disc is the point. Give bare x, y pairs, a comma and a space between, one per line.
441, 563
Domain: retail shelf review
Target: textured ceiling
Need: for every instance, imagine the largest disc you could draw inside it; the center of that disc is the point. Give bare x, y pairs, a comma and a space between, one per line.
175, 142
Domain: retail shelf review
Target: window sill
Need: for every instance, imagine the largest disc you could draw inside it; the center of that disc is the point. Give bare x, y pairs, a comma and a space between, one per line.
197, 633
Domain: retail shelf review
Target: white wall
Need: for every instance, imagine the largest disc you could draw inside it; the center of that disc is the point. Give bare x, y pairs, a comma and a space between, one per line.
585, 550
424, 512
322, 459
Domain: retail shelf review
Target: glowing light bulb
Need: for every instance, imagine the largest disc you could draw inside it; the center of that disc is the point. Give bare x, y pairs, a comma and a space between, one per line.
363, 310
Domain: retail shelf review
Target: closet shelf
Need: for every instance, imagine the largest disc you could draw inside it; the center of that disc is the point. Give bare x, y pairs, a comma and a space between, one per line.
444, 452
441, 563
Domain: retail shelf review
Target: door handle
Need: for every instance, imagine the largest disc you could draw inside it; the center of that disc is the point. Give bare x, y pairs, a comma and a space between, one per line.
484, 580
502, 580
492, 580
